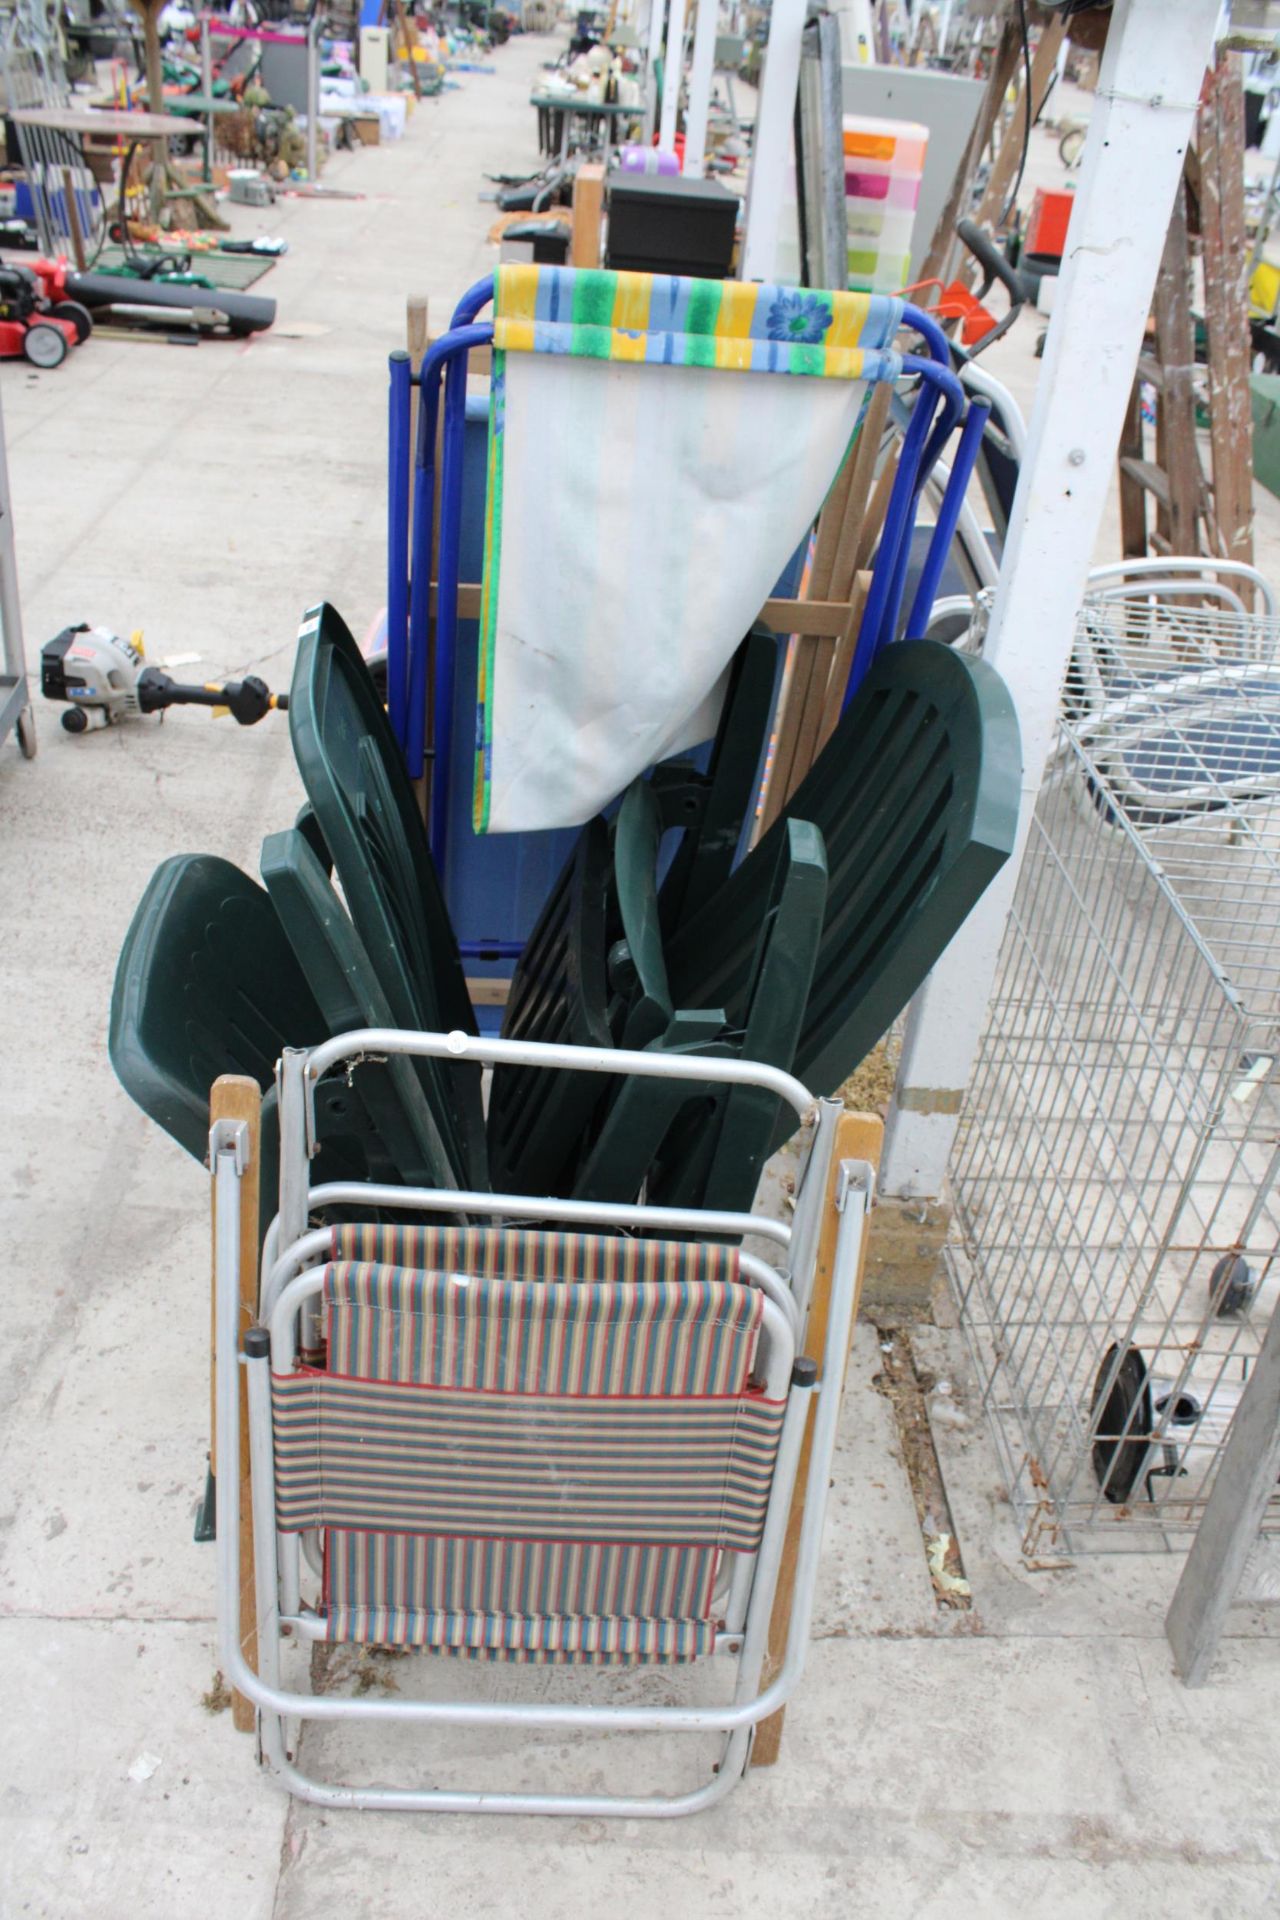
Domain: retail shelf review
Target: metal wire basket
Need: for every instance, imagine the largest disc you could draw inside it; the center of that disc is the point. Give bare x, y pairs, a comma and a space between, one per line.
1115, 1175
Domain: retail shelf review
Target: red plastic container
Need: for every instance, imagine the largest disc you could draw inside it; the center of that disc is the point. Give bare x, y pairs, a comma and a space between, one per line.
1047, 227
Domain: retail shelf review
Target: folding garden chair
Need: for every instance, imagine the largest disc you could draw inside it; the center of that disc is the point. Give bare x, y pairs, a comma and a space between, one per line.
207, 984
338, 971
366, 815
744, 399
559, 1447
911, 808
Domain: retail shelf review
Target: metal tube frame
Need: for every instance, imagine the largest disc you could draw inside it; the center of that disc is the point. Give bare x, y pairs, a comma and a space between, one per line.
749, 1705
581, 1213
750, 1592
948, 519
938, 407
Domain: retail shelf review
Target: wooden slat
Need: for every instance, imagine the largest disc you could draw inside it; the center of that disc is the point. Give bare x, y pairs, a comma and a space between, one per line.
784, 616
488, 991
236, 1097
810, 660
1003, 67
858, 521
1043, 65
1226, 271
1177, 515
1147, 475
1133, 499
588, 211
859, 1136
838, 679
873, 522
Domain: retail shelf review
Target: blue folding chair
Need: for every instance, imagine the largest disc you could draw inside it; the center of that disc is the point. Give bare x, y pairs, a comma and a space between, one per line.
940, 405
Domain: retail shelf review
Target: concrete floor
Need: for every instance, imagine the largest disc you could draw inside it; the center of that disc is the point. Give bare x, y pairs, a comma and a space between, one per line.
1031, 1755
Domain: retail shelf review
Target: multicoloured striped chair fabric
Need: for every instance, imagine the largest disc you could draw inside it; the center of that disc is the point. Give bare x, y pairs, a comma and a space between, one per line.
538, 1468
519, 1254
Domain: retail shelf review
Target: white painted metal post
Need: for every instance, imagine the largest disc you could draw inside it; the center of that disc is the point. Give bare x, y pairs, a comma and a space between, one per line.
656, 28
704, 60
313, 98
672, 75
1142, 118
772, 145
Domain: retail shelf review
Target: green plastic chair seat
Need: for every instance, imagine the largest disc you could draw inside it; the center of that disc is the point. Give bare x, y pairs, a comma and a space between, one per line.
207, 984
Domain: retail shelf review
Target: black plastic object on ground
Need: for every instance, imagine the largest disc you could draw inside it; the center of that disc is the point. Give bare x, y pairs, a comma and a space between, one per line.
243, 313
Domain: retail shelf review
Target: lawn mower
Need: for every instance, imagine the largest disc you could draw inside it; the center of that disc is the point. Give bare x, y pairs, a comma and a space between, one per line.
36, 320
105, 679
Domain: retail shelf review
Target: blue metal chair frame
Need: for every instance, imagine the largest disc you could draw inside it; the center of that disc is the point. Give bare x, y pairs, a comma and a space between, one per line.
939, 405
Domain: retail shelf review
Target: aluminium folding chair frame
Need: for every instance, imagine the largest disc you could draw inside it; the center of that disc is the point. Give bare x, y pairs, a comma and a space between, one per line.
293, 1277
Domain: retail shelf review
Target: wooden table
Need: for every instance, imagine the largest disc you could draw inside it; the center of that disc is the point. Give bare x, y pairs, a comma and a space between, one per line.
109, 120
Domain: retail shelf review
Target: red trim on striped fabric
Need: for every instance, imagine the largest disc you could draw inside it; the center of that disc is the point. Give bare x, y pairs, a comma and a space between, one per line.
756, 1395
519, 1539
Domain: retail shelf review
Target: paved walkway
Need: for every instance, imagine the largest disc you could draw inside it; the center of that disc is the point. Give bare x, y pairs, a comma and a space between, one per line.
1032, 1756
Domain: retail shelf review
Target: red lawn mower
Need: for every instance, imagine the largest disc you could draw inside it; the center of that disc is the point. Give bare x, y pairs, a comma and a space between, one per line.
37, 321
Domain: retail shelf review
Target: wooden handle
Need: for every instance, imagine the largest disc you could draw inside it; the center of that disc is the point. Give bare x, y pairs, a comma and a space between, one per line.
236, 1097
859, 1136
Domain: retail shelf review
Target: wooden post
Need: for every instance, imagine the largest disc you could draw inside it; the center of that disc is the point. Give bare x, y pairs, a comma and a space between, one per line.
848, 526
1043, 63
1176, 401
1133, 496
588, 211
1226, 307
859, 1136
1003, 67
236, 1097
842, 660
150, 11
73, 220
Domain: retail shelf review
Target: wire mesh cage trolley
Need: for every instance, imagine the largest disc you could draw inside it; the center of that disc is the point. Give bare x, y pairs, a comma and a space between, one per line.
1115, 1173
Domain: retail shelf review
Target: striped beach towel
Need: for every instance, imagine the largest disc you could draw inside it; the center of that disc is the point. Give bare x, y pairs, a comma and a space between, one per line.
641, 504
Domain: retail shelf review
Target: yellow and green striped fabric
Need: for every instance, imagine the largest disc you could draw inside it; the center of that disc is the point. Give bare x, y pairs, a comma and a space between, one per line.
733, 325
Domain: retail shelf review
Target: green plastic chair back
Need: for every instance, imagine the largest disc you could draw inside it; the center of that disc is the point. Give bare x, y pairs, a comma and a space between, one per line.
207, 984
697, 1145
368, 819
708, 848
637, 963
916, 798
559, 994
715, 1158
594, 972
337, 970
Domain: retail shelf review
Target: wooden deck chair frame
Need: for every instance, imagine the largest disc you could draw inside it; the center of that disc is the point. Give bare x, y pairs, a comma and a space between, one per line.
292, 1280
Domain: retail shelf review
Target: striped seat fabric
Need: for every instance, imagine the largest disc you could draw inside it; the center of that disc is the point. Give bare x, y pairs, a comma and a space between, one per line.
544, 1468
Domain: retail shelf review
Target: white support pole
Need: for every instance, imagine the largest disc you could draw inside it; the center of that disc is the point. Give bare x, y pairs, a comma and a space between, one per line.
657, 27
704, 60
672, 75
1142, 120
313, 98
772, 146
